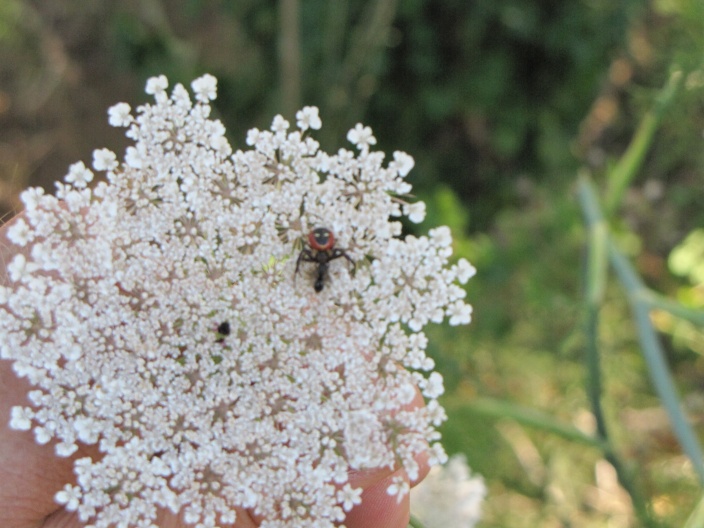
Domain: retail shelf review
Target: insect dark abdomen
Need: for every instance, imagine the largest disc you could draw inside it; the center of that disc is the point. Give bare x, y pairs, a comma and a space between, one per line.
320, 279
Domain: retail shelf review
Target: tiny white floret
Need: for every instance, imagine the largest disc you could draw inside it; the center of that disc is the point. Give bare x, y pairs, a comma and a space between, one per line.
19, 233
308, 118
157, 85
459, 313
21, 418
465, 270
79, 175
104, 160
403, 163
119, 115
434, 386
19, 269
69, 497
441, 236
415, 212
279, 124
361, 136
205, 88
349, 497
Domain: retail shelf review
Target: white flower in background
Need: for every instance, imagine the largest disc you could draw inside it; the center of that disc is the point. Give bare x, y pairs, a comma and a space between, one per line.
449, 497
169, 315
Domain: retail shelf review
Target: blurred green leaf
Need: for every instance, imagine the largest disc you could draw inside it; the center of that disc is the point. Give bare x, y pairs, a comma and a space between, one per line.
654, 356
687, 259
623, 173
696, 519
529, 417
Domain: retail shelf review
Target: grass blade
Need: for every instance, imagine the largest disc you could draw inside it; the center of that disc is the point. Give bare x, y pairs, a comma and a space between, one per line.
655, 359
533, 418
696, 518
632, 160
657, 301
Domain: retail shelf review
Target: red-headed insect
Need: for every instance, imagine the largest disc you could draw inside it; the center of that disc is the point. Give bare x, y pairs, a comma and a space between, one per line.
320, 249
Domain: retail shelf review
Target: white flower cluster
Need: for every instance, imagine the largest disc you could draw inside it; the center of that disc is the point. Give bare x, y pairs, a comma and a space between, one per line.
449, 496
166, 314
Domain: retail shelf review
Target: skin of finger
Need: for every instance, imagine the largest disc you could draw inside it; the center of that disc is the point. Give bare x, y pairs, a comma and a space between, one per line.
379, 509
30, 474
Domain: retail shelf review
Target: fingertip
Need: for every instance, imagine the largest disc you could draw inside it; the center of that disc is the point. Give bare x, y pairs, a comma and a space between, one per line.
423, 467
378, 509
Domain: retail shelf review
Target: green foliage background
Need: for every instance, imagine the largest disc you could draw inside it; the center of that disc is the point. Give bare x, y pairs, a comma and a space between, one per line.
502, 104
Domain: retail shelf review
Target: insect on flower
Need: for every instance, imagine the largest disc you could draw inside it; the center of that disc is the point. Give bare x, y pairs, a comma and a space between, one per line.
223, 331
321, 250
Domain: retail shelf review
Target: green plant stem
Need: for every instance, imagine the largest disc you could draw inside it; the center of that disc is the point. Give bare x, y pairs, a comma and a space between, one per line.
655, 360
651, 348
657, 301
632, 160
696, 518
532, 418
595, 287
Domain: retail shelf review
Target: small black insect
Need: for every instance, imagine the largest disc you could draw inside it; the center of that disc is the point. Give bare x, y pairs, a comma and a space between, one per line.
320, 250
223, 331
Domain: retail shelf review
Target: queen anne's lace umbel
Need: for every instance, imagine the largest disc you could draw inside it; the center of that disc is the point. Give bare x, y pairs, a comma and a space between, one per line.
113, 316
